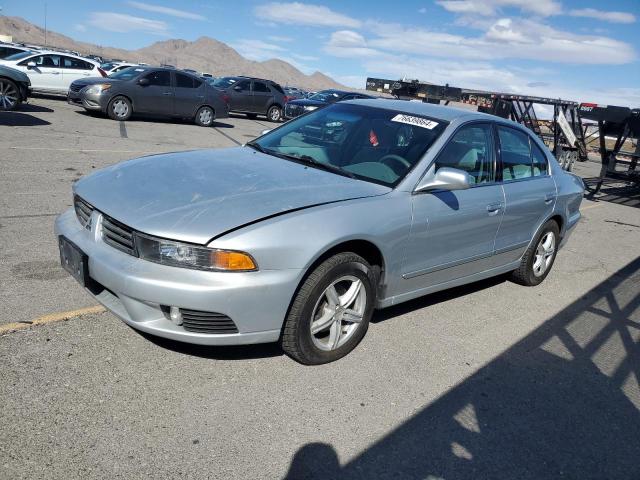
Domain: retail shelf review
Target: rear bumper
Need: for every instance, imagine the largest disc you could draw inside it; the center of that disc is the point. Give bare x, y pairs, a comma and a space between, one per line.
139, 291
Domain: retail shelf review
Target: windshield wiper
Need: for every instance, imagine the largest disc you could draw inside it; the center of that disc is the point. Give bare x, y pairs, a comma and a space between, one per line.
316, 163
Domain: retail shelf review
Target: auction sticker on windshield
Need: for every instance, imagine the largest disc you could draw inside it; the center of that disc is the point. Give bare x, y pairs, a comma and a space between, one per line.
417, 121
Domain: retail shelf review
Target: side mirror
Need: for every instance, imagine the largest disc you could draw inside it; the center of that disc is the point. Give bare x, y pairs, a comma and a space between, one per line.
237, 88
143, 82
31, 65
444, 179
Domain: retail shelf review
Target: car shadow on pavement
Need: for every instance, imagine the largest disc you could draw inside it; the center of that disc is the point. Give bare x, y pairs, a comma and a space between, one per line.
563, 402
151, 119
33, 108
231, 352
614, 191
18, 119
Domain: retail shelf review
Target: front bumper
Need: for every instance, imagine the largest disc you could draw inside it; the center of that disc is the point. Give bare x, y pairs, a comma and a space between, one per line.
90, 102
136, 290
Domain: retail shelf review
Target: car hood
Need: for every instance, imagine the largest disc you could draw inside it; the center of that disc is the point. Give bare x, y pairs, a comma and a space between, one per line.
198, 195
14, 74
305, 102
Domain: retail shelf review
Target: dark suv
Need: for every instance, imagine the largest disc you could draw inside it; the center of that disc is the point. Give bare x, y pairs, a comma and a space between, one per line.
253, 96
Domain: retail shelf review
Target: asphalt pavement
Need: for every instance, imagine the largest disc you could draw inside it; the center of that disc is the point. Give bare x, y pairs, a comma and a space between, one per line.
491, 380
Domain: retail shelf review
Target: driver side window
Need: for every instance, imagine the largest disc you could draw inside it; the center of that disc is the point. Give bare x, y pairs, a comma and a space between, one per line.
471, 150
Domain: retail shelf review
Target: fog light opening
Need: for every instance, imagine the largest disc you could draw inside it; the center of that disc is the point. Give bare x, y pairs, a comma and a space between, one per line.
175, 315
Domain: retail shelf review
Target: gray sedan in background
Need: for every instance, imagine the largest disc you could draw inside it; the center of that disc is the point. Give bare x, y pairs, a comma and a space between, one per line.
299, 235
153, 91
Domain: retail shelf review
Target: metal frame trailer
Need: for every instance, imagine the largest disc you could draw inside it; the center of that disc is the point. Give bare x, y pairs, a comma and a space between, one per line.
564, 134
621, 123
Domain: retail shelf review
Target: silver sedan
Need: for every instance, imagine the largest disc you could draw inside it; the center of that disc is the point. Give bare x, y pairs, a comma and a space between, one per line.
298, 236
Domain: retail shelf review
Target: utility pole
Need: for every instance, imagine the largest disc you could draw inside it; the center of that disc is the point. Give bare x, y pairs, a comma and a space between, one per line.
45, 24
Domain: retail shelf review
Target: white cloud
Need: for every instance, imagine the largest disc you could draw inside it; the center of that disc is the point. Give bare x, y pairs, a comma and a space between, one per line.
121, 23
492, 7
422, 10
278, 38
503, 38
80, 27
296, 13
149, 7
257, 49
614, 17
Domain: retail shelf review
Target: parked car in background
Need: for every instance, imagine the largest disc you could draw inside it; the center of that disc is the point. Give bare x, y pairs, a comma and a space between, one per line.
8, 49
298, 236
294, 93
14, 88
153, 91
53, 72
113, 67
253, 96
297, 107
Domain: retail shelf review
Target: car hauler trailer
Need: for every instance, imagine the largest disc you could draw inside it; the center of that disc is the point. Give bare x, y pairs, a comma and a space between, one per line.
620, 123
563, 134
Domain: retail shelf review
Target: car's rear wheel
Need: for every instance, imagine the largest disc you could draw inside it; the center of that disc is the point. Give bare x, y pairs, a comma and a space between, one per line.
9, 95
205, 116
331, 311
274, 113
539, 257
120, 108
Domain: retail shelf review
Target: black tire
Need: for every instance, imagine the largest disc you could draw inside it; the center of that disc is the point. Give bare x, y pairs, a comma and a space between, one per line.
252, 115
296, 339
205, 116
120, 108
526, 274
274, 114
10, 97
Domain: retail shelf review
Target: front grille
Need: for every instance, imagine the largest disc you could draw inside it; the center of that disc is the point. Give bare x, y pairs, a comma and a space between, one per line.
207, 322
292, 111
117, 235
83, 211
76, 87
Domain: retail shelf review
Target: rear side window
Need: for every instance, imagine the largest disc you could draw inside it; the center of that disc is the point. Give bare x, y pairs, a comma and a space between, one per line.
471, 150
160, 78
277, 88
76, 63
515, 154
539, 161
244, 85
260, 87
186, 81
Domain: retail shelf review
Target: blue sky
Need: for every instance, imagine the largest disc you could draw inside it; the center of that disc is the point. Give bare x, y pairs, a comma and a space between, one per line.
587, 50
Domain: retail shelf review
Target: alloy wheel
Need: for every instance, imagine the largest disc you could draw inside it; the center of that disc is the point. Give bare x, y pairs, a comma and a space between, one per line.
206, 116
544, 254
338, 313
8, 96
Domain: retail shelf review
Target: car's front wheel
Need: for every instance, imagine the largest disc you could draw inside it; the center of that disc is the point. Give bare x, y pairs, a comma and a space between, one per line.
205, 116
331, 311
274, 113
120, 108
537, 261
9, 95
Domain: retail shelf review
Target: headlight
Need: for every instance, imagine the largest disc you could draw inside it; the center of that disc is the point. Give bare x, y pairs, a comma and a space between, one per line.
177, 254
309, 108
98, 88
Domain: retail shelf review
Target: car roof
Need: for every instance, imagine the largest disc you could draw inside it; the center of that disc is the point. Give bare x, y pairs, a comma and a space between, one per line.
427, 109
55, 52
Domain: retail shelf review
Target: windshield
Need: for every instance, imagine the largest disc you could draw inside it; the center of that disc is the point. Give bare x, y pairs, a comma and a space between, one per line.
18, 56
223, 82
327, 96
108, 66
373, 144
128, 73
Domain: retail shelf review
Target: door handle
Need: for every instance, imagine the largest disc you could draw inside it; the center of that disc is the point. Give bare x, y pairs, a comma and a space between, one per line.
55, 73
200, 96
167, 93
494, 208
548, 198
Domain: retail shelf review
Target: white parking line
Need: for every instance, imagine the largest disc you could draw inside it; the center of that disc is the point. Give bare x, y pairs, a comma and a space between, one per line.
83, 150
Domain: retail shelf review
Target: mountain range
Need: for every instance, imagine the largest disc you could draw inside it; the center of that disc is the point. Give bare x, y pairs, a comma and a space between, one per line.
204, 55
